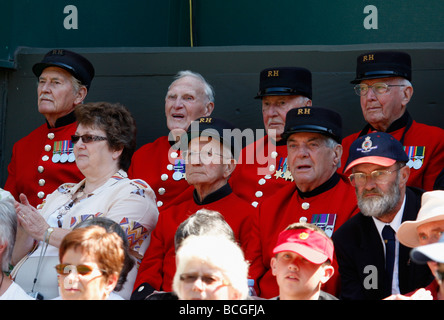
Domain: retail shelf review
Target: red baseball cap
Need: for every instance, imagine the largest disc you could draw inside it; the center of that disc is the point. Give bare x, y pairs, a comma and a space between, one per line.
310, 244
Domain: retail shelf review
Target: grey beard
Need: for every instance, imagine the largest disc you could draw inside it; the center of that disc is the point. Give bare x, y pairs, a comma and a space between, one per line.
380, 206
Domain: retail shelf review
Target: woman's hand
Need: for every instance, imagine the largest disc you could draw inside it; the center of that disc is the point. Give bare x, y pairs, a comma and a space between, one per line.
30, 219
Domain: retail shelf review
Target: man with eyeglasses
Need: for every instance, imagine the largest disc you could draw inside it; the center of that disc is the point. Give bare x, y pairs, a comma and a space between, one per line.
318, 194
44, 159
372, 263
383, 83
210, 151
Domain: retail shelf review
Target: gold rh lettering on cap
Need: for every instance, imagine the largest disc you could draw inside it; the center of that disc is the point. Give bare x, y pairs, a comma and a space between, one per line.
205, 120
369, 57
304, 111
273, 73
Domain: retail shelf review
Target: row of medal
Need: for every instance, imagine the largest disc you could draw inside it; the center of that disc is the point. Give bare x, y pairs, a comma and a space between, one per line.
63, 152
416, 156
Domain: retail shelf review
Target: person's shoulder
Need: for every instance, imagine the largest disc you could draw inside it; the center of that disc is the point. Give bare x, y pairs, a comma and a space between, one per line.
350, 138
160, 295
138, 183
426, 128
15, 292
326, 296
350, 226
36, 133
161, 141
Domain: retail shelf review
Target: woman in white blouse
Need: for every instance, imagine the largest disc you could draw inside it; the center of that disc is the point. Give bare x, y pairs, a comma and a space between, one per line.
104, 143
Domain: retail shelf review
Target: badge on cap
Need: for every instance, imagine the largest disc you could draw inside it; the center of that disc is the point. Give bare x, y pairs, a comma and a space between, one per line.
367, 145
303, 236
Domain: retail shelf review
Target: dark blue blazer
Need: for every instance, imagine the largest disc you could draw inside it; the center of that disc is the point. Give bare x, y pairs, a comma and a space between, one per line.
358, 247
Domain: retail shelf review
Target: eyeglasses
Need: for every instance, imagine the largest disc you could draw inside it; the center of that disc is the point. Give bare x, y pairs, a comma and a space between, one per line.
87, 138
207, 279
359, 179
82, 269
378, 88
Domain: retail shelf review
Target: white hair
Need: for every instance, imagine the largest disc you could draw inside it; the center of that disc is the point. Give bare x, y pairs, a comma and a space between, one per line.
219, 252
8, 230
208, 89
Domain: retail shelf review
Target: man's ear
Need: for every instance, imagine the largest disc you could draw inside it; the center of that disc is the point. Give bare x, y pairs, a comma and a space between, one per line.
404, 175
329, 270
81, 95
338, 154
407, 95
230, 166
209, 107
273, 265
111, 283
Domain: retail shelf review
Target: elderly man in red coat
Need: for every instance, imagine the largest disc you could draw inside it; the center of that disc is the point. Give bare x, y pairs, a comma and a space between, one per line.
160, 163
319, 195
44, 159
210, 159
262, 167
383, 84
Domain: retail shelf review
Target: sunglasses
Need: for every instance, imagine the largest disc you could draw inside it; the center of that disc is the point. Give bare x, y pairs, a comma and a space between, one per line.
82, 269
87, 138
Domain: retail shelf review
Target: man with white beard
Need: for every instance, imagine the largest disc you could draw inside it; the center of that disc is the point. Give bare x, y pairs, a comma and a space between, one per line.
372, 263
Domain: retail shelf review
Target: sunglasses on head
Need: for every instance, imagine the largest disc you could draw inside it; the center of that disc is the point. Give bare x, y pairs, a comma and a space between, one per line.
87, 138
82, 269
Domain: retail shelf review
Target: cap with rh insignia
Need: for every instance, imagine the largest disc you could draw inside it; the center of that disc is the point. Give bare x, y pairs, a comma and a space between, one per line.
383, 64
215, 128
285, 81
313, 119
74, 63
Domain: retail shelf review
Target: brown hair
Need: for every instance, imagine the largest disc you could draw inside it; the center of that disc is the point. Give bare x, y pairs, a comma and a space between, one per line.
95, 241
117, 123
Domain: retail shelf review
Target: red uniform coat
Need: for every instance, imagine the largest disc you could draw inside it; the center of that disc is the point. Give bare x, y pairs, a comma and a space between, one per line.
159, 265
261, 171
334, 200
423, 144
32, 171
162, 167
